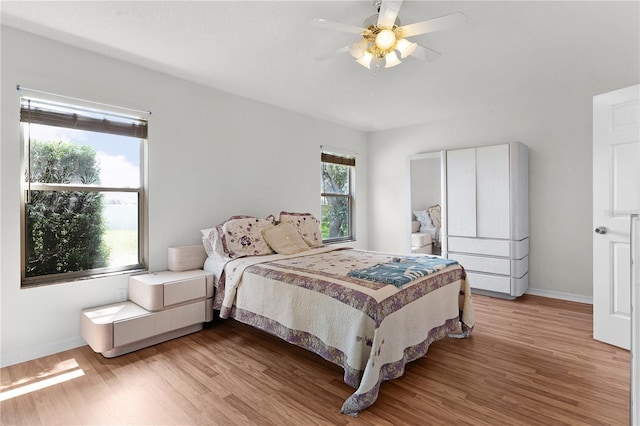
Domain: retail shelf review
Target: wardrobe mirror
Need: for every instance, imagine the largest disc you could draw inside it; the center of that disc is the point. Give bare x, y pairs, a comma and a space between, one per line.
426, 181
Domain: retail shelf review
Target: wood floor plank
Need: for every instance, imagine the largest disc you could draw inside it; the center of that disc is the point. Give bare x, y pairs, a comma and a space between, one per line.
531, 361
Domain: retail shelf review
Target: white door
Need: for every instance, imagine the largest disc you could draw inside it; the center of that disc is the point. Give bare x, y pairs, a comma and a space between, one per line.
461, 192
616, 195
492, 192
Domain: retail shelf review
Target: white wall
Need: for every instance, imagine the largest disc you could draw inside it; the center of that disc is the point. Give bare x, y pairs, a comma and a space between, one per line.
559, 136
211, 155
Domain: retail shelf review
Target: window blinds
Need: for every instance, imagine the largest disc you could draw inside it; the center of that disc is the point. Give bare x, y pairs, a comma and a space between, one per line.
337, 159
35, 111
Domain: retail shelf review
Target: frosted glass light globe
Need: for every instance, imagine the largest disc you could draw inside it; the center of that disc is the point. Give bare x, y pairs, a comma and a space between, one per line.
385, 39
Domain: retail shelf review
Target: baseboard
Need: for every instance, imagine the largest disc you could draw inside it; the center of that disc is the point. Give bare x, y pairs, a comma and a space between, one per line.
34, 353
560, 295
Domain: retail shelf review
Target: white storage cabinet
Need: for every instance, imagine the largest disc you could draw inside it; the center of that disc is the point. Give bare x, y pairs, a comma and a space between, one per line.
488, 216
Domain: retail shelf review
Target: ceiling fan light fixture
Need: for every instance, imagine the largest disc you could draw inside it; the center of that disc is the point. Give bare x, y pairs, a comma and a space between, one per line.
385, 39
365, 60
358, 49
405, 47
391, 60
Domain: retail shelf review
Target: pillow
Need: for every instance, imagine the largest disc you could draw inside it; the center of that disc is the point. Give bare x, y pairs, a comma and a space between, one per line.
238, 236
307, 225
284, 239
243, 237
212, 242
434, 214
206, 241
423, 218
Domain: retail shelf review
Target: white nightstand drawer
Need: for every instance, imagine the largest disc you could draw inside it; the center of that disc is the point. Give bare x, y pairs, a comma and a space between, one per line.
161, 290
141, 327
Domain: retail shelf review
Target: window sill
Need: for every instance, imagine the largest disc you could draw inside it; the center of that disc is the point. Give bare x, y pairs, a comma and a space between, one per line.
28, 284
339, 241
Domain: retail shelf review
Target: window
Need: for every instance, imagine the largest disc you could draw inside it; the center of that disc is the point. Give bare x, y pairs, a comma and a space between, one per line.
83, 200
336, 194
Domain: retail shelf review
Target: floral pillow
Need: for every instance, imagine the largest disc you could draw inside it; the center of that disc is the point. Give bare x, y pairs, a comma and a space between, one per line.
237, 237
207, 240
307, 226
434, 213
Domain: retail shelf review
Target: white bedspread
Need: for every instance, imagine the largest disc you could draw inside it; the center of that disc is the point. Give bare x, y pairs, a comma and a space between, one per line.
370, 329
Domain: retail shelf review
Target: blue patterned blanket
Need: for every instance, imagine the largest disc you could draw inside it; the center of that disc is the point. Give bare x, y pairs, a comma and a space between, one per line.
402, 270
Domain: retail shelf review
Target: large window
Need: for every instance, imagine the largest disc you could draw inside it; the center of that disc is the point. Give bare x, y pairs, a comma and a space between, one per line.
82, 192
336, 194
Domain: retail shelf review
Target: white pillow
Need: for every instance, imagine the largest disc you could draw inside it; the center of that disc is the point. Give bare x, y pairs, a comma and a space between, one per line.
423, 218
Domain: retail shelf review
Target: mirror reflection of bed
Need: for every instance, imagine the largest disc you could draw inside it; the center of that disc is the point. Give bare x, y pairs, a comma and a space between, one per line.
426, 203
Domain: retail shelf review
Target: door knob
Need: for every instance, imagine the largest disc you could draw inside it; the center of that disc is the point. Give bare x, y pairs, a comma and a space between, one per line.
601, 230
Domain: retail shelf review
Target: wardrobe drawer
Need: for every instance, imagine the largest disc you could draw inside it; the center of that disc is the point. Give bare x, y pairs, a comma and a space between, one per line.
489, 247
508, 286
497, 283
492, 265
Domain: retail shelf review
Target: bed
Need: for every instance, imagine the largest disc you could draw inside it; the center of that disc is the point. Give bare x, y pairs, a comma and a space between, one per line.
323, 298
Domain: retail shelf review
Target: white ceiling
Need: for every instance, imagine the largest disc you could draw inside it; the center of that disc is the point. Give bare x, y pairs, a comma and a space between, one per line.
506, 54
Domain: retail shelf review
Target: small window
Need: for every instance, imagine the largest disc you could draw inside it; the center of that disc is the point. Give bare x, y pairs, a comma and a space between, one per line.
82, 192
336, 194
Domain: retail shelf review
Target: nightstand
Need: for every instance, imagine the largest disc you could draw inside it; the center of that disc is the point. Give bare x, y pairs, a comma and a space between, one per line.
162, 306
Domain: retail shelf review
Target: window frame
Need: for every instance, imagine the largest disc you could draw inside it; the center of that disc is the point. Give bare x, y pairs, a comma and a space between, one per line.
347, 160
26, 187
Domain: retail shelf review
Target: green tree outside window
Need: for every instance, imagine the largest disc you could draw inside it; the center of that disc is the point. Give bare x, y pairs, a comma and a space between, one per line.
336, 201
64, 229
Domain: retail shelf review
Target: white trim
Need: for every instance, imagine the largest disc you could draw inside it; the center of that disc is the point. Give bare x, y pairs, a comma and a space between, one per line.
337, 151
40, 351
634, 391
41, 95
560, 295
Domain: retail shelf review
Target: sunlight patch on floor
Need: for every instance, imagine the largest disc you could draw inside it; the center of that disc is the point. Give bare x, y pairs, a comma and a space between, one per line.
43, 380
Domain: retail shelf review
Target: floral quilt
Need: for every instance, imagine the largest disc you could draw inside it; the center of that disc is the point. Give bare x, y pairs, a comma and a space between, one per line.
371, 329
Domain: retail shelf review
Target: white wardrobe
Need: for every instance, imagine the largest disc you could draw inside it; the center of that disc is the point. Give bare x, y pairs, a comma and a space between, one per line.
487, 226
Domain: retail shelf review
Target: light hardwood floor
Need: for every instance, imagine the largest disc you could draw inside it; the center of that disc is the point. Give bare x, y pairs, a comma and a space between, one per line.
530, 362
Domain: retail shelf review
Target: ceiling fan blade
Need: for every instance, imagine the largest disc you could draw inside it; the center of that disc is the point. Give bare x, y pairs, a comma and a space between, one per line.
339, 51
388, 13
337, 26
425, 54
432, 25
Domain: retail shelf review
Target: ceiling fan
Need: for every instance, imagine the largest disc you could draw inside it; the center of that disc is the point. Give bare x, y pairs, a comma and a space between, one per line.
384, 41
